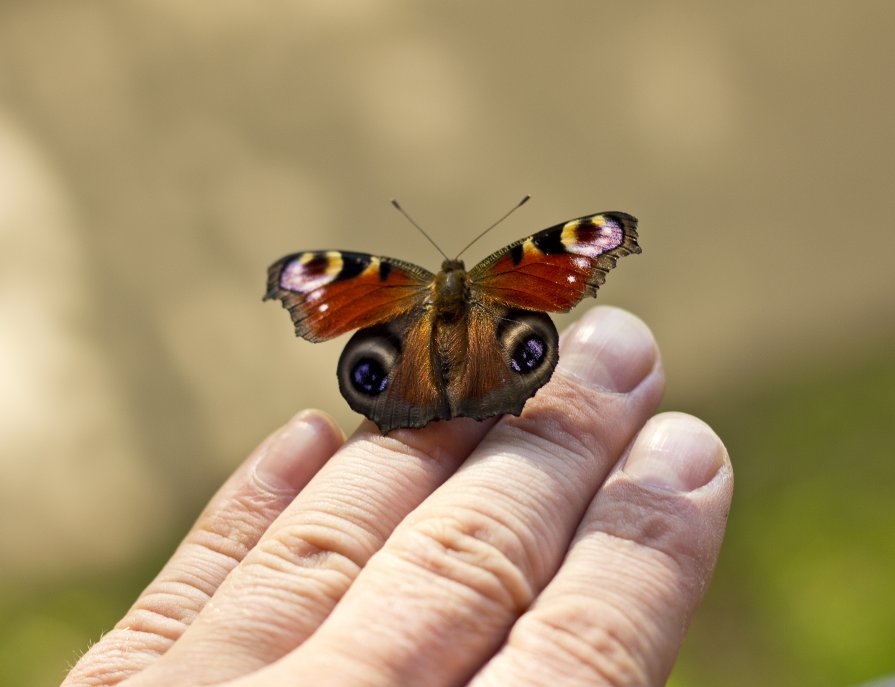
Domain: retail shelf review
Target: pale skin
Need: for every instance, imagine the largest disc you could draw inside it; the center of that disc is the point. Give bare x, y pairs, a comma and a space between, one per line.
568, 546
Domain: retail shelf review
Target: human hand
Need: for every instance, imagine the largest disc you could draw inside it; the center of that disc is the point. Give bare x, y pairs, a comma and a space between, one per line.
570, 545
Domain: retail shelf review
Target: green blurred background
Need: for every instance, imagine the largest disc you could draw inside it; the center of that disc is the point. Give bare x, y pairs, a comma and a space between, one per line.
156, 156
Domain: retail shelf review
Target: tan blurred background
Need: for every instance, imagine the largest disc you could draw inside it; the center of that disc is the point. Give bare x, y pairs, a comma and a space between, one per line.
155, 157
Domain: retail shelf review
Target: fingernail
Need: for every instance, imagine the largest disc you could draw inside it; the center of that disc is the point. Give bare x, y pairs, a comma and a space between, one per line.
675, 451
292, 455
609, 348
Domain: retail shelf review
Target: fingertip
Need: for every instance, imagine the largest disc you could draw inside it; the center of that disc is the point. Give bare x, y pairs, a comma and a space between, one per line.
677, 452
322, 422
609, 348
296, 451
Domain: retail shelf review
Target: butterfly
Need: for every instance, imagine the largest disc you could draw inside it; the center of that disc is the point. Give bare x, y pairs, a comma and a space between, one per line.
457, 343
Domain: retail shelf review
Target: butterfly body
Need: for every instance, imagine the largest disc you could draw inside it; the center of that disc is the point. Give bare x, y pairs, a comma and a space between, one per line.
457, 343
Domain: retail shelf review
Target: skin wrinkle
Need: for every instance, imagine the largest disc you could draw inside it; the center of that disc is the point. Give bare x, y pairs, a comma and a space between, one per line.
535, 560
236, 525
314, 592
174, 594
298, 549
330, 581
447, 630
278, 497
356, 504
276, 634
525, 558
349, 516
163, 601
204, 569
161, 621
159, 598
219, 545
106, 669
443, 549
611, 663
543, 529
660, 507
311, 595
129, 640
444, 630
573, 427
401, 483
530, 432
203, 575
408, 445
355, 537
632, 554
608, 565
375, 481
570, 469
551, 421
427, 454
572, 604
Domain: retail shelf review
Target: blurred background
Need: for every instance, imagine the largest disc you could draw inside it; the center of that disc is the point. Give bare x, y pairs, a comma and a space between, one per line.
156, 156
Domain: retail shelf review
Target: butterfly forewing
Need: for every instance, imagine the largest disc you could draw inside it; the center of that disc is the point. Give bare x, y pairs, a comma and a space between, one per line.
557, 267
329, 293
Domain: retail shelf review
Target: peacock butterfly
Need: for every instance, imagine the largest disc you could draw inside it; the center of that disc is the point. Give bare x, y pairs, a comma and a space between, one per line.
452, 344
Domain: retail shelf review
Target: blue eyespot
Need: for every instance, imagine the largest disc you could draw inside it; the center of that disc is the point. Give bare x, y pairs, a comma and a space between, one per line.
528, 354
369, 377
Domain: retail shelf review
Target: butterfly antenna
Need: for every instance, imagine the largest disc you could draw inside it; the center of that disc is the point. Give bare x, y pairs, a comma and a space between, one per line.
422, 231
512, 210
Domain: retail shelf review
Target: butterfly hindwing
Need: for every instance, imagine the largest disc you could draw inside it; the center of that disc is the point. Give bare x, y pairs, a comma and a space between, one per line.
510, 354
557, 267
329, 293
386, 372
412, 370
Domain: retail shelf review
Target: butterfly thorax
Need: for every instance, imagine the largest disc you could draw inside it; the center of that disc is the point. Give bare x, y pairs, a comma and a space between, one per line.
449, 292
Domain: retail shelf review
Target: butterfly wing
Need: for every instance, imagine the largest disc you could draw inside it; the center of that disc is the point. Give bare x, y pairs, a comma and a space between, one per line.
557, 267
389, 373
509, 355
413, 369
328, 293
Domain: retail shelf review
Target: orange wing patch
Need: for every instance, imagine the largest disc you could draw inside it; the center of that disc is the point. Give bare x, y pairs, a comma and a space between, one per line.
557, 267
329, 293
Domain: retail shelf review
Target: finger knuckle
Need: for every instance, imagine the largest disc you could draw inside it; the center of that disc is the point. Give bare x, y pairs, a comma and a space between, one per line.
300, 551
234, 528
565, 423
118, 655
474, 551
603, 644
